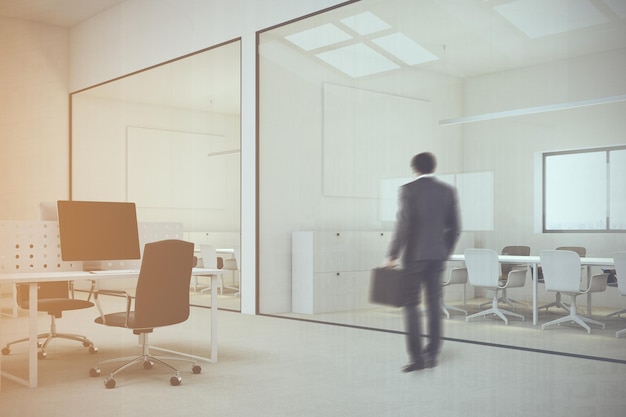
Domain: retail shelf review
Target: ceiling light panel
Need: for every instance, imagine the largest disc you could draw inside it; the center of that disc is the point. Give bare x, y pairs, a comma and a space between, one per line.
405, 49
357, 60
538, 18
318, 37
365, 23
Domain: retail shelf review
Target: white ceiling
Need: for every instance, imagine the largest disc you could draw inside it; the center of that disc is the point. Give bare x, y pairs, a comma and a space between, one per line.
66, 13
469, 38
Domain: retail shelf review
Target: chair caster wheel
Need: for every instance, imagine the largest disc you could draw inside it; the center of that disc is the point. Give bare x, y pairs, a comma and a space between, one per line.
93, 372
175, 380
148, 365
42, 355
109, 383
6, 351
196, 369
93, 349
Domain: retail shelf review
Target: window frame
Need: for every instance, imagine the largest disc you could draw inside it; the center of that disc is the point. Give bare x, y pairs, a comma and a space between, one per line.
607, 222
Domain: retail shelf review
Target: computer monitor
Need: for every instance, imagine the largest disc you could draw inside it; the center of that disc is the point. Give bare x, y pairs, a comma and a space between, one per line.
98, 231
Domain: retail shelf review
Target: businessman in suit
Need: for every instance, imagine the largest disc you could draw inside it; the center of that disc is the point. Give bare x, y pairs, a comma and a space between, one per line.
427, 229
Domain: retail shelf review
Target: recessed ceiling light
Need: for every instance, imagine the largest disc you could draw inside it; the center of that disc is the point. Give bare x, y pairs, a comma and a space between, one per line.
318, 37
537, 18
357, 60
405, 49
365, 23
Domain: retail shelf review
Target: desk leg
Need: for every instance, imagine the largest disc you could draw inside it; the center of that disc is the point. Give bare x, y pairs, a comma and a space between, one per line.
214, 279
535, 276
589, 293
32, 335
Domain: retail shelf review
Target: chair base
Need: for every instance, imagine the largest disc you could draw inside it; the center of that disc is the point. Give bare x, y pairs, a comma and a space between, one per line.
220, 286
574, 317
556, 303
496, 311
616, 313
505, 300
49, 337
620, 332
148, 360
445, 309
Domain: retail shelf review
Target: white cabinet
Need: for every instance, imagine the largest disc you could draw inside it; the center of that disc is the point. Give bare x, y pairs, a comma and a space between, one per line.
331, 270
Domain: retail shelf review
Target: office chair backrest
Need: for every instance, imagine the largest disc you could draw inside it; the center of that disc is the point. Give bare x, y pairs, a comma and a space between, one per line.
209, 256
232, 264
45, 290
513, 250
582, 252
162, 296
483, 268
561, 270
620, 271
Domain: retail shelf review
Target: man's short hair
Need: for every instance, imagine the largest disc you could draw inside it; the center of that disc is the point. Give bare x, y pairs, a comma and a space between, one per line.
424, 162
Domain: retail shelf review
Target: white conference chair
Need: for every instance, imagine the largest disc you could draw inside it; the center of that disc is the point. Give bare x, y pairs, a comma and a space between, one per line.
620, 274
209, 260
581, 251
483, 270
456, 276
561, 272
232, 264
506, 268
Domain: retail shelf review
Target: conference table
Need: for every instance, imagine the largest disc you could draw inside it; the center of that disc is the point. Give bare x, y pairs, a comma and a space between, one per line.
35, 277
533, 262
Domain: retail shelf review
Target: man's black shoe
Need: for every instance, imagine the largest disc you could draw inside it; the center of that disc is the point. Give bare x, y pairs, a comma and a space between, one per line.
430, 363
413, 366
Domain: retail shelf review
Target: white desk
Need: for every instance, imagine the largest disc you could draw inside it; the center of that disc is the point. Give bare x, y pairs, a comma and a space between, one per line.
35, 277
533, 261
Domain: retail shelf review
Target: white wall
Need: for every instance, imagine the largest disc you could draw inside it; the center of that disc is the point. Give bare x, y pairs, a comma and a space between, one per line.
100, 127
141, 33
291, 147
508, 146
33, 117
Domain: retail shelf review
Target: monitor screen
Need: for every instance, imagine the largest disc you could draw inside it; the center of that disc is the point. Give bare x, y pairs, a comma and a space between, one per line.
98, 231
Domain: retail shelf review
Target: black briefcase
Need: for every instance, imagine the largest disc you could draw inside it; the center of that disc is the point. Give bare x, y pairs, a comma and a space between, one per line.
387, 287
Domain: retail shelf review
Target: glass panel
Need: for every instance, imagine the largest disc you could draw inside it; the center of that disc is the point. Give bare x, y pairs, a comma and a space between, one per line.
168, 139
340, 119
617, 175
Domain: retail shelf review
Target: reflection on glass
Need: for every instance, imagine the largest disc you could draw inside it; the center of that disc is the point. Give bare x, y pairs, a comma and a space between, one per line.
337, 130
168, 139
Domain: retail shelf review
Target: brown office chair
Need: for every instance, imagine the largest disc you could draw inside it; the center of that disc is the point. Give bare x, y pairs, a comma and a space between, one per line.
161, 299
53, 298
557, 299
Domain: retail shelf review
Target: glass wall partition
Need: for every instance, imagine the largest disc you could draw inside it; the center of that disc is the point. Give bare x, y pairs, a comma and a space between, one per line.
348, 96
168, 138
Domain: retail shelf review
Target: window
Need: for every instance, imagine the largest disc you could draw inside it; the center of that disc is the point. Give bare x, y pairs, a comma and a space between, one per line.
585, 191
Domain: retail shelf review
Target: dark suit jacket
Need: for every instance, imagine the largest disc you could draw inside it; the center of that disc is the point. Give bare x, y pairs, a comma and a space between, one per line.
428, 223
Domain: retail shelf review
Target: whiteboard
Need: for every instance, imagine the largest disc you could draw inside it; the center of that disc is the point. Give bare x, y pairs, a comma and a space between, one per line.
475, 192
368, 136
171, 169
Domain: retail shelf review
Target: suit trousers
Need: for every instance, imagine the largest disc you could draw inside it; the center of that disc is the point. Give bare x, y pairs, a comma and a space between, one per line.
426, 276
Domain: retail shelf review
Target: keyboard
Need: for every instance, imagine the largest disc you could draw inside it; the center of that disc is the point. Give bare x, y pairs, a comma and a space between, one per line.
114, 271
